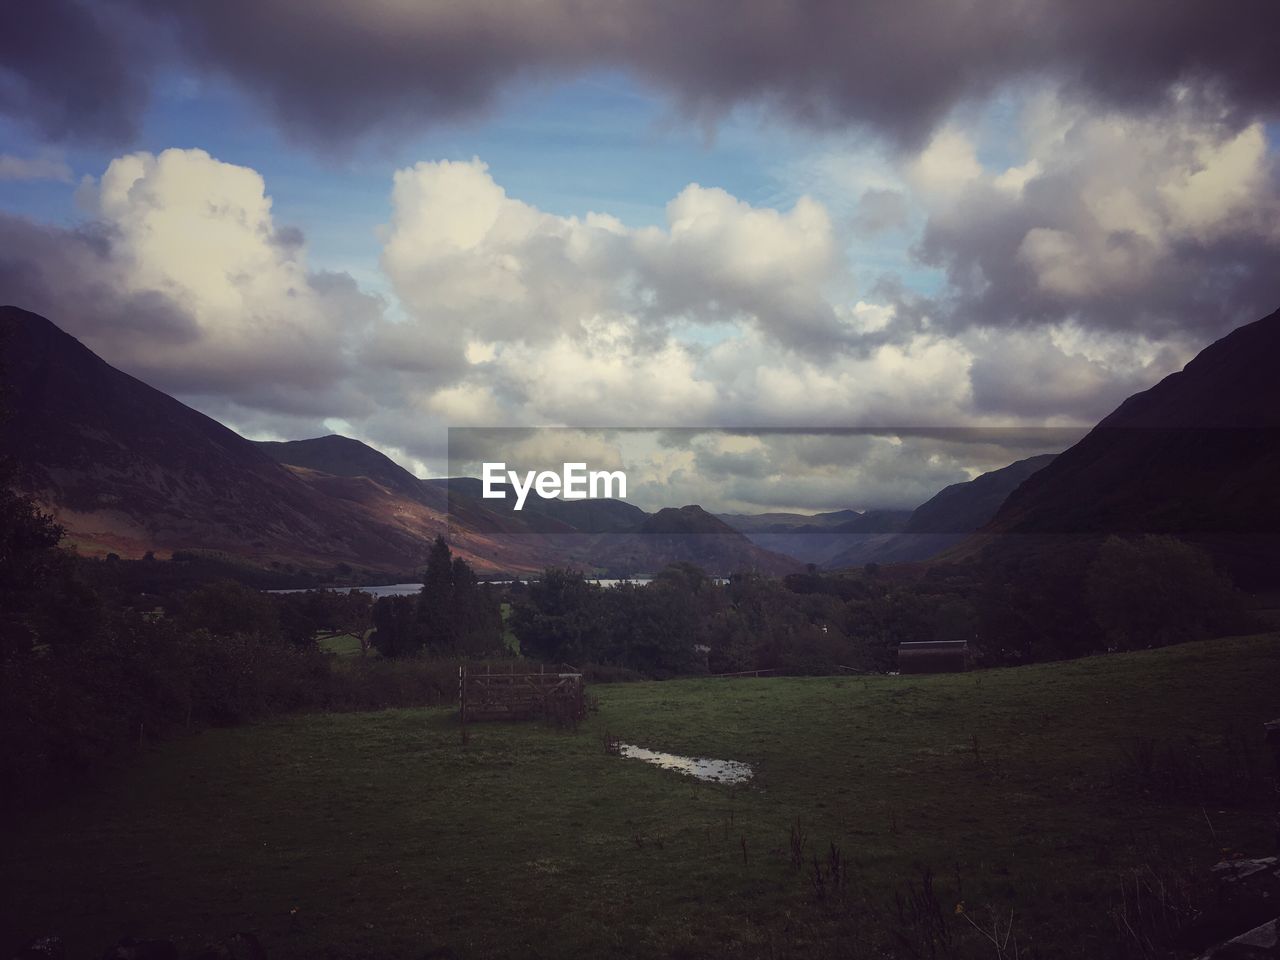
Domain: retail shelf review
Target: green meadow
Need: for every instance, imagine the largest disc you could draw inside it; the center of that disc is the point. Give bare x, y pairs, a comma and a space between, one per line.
1049, 798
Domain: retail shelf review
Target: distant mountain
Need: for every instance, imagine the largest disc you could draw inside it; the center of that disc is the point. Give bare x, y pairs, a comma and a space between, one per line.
876, 521
788, 522
685, 520
945, 519
545, 514
127, 468
848, 539
620, 539
690, 534
1197, 455
968, 506
822, 537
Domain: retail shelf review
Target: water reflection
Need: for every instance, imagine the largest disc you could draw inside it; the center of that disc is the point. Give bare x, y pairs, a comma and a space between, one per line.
703, 768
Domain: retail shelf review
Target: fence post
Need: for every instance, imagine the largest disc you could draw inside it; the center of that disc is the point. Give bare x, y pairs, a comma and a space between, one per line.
462, 701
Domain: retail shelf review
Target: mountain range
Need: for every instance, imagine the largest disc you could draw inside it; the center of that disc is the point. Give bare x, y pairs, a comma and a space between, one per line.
846, 538
128, 469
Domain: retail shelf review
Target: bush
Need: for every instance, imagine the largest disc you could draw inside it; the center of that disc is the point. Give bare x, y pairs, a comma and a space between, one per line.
1155, 591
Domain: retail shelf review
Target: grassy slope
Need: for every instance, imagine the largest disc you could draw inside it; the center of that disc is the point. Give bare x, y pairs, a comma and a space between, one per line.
391, 839
344, 645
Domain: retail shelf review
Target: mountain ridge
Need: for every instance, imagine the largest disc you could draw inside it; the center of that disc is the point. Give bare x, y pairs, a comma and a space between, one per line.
1196, 456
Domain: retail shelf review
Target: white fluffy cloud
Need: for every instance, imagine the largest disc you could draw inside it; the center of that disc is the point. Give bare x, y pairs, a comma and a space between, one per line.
1158, 224
729, 314
184, 278
469, 261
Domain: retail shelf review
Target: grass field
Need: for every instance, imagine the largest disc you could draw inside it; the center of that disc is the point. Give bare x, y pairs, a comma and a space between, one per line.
381, 835
344, 645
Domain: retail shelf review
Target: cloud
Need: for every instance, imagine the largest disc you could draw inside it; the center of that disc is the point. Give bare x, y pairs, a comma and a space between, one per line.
68, 69
474, 265
724, 316
1064, 373
879, 211
33, 168
183, 278
1163, 225
330, 71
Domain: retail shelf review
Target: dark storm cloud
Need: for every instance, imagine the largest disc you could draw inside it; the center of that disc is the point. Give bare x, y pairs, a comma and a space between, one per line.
331, 70
69, 72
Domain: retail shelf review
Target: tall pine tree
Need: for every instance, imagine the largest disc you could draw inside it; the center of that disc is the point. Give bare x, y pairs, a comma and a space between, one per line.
455, 614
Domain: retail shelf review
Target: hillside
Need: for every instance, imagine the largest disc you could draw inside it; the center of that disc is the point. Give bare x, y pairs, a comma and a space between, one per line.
127, 468
789, 522
1197, 456
343, 457
966, 507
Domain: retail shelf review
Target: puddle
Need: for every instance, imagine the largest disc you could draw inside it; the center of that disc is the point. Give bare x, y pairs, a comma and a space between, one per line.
703, 768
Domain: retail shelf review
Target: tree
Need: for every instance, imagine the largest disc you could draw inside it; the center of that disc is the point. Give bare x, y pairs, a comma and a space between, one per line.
454, 615
227, 608
29, 560
395, 628
1156, 591
306, 614
561, 618
435, 613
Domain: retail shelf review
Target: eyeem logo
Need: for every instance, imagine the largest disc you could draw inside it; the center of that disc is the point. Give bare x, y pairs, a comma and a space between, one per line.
574, 482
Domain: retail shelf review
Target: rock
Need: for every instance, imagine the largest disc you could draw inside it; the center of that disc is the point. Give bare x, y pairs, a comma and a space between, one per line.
1254, 870
1260, 943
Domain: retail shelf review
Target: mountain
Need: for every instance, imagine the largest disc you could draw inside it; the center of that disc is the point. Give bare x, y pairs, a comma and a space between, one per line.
788, 522
618, 538
946, 518
685, 520
689, 534
848, 539
544, 514
128, 469
1197, 456
822, 537
968, 506
343, 457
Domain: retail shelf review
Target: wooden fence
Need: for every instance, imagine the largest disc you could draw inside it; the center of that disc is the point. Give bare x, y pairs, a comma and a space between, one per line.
556, 694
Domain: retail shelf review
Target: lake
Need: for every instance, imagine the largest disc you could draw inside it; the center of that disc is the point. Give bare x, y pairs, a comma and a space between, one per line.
407, 589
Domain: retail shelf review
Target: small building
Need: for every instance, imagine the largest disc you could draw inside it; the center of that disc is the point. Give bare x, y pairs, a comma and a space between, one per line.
933, 656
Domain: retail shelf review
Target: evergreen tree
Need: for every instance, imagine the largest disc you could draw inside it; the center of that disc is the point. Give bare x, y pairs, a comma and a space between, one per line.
436, 614
454, 614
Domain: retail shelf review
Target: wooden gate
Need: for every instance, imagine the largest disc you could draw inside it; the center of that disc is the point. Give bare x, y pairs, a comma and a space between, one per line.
556, 694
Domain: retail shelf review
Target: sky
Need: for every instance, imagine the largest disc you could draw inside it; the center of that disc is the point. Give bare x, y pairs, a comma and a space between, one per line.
393, 218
